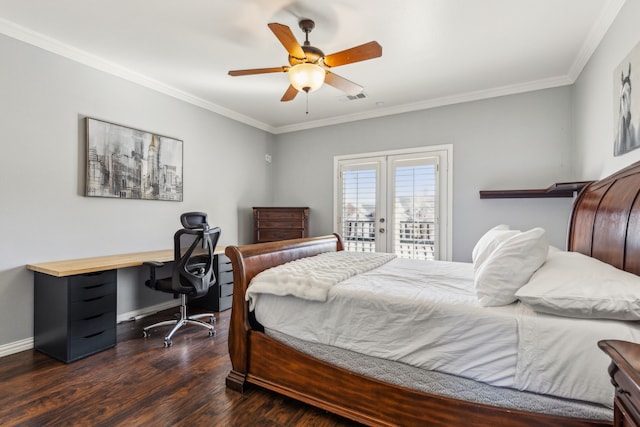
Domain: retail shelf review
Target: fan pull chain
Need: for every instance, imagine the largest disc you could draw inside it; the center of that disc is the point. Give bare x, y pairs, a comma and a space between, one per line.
307, 93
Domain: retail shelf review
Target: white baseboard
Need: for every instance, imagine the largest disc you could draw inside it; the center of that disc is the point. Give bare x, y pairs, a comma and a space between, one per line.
27, 343
146, 311
16, 347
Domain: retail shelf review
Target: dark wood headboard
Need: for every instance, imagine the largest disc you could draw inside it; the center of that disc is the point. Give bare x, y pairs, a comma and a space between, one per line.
605, 221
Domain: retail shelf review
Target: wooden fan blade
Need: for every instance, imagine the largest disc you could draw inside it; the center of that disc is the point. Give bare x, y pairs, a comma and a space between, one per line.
289, 94
347, 86
355, 54
288, 40
258, 71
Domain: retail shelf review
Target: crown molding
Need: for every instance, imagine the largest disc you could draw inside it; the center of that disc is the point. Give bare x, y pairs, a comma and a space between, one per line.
49, 44
597, 32
595, 36
431, 103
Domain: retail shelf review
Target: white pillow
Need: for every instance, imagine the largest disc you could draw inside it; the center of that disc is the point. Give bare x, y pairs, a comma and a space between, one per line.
510, 266
489, 242
575, 285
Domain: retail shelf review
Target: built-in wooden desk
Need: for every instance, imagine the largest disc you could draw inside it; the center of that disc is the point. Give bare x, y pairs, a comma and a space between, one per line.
75, 302
103, 263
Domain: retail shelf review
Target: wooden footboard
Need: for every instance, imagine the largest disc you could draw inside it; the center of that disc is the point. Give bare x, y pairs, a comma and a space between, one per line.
247, 261
260, 360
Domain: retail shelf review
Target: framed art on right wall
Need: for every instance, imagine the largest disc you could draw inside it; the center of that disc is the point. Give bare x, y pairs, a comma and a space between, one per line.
626, 110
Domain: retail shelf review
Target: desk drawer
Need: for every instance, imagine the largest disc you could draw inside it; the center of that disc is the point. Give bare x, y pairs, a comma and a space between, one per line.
81, 291
224, 277
92, 279
92, 325
224, 263
226, 289
86, 345
225, 271
82, 310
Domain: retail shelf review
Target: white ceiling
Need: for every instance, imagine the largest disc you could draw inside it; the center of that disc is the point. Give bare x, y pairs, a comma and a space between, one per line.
434, 52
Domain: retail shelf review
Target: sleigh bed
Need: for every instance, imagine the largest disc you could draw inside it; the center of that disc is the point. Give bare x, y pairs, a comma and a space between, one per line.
604, 224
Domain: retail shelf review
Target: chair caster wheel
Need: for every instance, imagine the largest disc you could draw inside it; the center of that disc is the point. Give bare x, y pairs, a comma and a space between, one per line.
212, 333
168, 343
212, 320
145, 334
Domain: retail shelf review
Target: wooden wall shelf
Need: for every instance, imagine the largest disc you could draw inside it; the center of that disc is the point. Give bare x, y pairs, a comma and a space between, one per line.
559, 189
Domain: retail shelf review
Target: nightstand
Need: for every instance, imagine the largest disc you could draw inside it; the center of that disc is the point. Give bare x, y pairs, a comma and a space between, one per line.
625, 376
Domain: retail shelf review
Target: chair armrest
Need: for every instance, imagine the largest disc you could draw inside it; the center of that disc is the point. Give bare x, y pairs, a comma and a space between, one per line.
152, 272
154, 264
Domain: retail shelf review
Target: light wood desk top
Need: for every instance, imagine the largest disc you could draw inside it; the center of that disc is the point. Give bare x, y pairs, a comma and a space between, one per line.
103, 263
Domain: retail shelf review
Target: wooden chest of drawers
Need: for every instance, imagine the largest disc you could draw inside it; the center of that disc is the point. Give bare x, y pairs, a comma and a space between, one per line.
75, 316
280, 223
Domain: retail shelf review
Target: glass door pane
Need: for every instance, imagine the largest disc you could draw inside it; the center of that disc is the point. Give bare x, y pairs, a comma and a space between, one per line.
414, 204
359, 198
395, 202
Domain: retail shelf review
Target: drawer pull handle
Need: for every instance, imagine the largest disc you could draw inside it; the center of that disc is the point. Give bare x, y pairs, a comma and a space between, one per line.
94, 317
623, 392
92, 299
94, 286
95, 335
95, 273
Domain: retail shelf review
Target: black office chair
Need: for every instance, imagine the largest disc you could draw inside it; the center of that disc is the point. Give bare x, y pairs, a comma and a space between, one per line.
192, 275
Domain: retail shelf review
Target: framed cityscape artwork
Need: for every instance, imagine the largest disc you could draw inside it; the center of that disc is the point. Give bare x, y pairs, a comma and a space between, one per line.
129, 163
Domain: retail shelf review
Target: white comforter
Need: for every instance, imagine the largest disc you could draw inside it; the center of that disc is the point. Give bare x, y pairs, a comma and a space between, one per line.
312, 278
426, 314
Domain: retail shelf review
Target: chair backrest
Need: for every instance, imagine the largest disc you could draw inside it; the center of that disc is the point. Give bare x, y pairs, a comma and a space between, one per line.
194, 247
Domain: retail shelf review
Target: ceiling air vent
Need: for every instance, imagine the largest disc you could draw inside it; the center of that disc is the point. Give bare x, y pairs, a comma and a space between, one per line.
361, 95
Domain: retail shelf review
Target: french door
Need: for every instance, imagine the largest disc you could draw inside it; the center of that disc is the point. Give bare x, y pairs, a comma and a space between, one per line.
395, 202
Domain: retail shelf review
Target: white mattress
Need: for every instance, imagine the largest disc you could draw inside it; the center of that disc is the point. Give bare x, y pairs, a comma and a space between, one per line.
426, 314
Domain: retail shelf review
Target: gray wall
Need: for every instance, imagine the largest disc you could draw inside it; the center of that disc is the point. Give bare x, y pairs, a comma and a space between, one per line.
43, 213
594, 99
512, 142
522, 141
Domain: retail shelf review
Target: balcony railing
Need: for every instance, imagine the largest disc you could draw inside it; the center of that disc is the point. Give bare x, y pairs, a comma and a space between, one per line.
414, 239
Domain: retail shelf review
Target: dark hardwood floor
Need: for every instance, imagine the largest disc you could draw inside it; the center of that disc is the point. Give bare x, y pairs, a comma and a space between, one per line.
141, 383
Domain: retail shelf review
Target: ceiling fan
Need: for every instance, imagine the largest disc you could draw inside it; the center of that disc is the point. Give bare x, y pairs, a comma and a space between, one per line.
309, 66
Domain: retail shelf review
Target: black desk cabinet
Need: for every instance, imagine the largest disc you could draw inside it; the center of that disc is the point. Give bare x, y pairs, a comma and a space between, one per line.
220, 295
75, 316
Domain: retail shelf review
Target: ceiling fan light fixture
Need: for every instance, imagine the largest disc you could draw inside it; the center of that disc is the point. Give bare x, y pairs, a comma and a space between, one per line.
308, 67
306, 77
